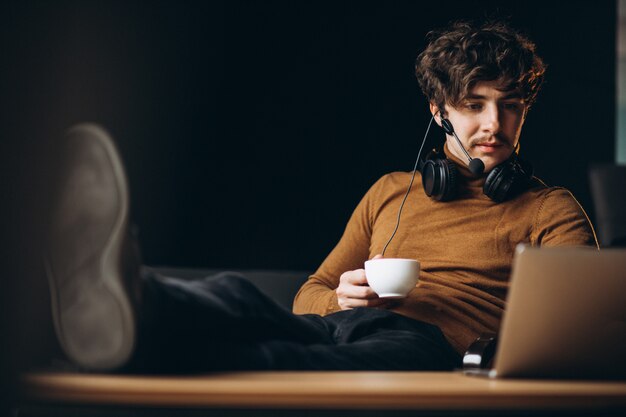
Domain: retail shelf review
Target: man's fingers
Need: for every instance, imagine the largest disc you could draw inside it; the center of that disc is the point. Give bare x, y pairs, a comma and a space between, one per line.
357, 277
357, 302
358, 292
354, 292
379, 256
369, 294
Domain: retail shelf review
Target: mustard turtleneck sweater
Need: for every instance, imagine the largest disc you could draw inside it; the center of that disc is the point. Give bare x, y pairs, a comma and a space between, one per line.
465, 248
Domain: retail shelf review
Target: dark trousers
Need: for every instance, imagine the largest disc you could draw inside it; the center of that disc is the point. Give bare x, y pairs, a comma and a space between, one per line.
225, 323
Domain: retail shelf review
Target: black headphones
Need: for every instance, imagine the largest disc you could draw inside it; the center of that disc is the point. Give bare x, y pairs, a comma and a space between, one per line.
439, 175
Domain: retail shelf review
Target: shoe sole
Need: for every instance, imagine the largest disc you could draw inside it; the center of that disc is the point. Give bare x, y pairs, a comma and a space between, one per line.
92, 313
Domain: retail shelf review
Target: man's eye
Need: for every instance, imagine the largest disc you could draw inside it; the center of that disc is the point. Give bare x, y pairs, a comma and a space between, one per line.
473, 106
512, 106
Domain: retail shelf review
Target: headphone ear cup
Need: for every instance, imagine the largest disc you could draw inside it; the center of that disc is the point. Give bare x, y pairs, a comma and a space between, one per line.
439, 179
451, 174
498, 183
506, 179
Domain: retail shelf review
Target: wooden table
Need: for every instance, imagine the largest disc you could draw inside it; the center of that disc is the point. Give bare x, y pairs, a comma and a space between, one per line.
322, 393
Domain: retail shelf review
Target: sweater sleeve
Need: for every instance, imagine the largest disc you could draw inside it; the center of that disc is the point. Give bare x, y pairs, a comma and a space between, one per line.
561, 221
317, 295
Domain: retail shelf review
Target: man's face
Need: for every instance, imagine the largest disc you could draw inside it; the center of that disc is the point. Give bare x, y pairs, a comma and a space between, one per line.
488, 121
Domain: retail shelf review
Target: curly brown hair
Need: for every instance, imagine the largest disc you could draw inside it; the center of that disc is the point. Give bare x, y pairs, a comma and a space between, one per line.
465, 53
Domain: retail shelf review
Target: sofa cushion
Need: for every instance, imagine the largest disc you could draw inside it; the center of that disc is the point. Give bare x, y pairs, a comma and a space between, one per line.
280, 285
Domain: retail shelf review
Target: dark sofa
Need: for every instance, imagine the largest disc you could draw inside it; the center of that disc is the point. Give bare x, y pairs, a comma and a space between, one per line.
281, 286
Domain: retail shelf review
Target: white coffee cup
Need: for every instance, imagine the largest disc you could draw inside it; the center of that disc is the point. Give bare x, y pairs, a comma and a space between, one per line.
392, 277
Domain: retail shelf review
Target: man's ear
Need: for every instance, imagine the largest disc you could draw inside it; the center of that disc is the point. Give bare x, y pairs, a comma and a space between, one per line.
434, 110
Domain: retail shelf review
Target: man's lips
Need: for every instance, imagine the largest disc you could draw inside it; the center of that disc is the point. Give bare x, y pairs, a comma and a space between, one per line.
488, 146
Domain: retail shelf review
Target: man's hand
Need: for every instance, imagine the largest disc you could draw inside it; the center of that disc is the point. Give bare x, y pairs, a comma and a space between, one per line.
353, 290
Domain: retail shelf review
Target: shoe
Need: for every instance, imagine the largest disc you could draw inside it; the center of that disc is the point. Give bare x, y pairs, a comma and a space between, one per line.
88, 257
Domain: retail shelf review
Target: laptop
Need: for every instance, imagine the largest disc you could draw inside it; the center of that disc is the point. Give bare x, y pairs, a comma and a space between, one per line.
565, 316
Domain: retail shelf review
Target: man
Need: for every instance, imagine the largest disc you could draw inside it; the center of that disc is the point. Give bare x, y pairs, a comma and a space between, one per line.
461, 224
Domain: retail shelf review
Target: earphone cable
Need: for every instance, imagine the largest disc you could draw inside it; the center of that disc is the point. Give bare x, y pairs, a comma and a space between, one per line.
410, 184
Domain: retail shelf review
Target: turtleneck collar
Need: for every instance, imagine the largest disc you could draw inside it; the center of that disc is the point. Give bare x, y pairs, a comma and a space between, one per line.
465, 178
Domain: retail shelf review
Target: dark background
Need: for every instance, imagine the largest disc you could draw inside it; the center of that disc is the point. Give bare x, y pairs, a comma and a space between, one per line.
251, 129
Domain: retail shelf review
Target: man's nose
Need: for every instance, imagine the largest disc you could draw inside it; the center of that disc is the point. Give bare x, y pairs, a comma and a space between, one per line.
491, 121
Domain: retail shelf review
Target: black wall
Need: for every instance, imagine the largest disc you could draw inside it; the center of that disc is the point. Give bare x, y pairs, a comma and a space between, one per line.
250, 130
